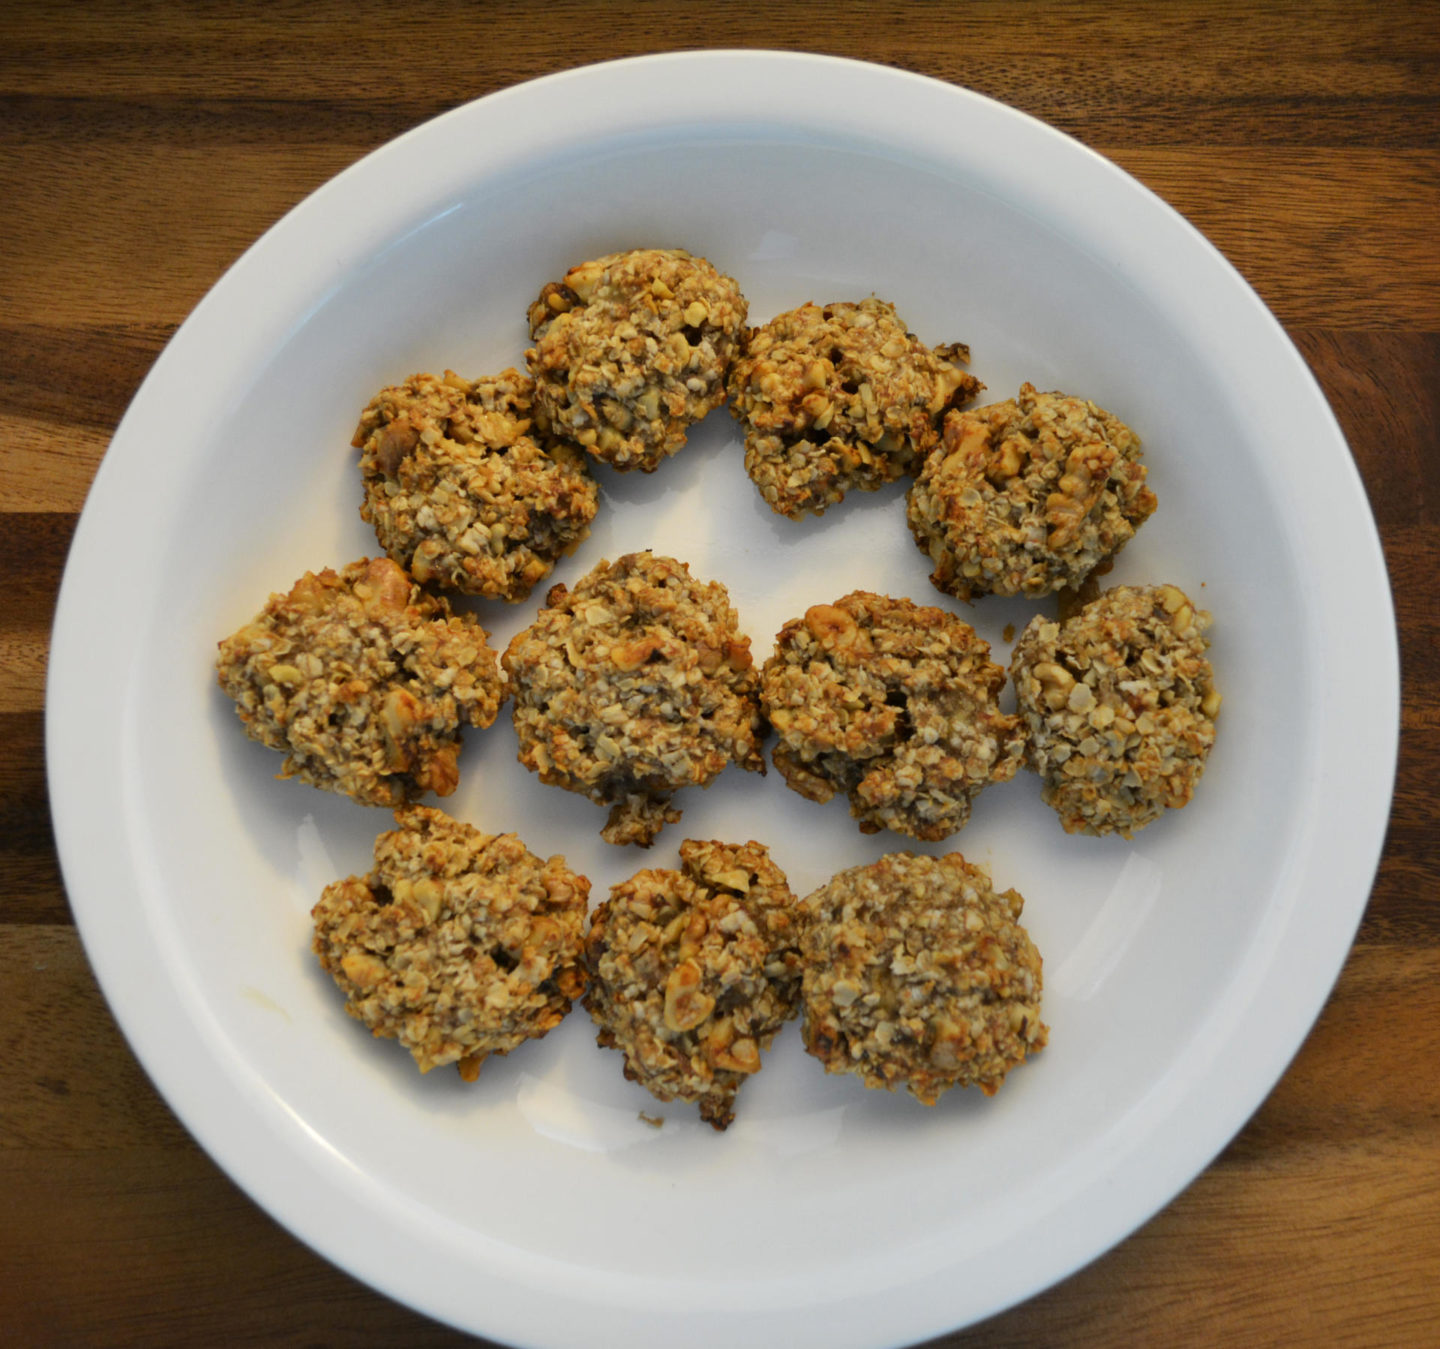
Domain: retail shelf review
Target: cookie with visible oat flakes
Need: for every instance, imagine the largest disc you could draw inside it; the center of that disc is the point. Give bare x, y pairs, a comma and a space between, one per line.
1028, 496
458, 944
634, 684
919, 975
363, 681
693, 972
465, 490
1120, 704
631, 349
894, 704
840, 398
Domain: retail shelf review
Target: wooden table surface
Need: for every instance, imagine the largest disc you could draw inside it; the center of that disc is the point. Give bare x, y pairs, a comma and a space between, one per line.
144, 146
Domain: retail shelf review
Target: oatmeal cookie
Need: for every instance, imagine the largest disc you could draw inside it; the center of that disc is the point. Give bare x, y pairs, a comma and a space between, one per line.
840, 398
692, 972
918, 974
458, 944
1120, 704
1028, 496
631, 349
633, 685
364, 681
464, 490
894, 704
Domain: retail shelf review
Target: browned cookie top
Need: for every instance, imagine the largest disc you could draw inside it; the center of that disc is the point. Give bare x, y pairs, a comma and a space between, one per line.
1028, 496
464, 490
459, 944
894, 704
918, 974
364, 681
631, 349
1120, 704
692, 972
636, 683
840, 398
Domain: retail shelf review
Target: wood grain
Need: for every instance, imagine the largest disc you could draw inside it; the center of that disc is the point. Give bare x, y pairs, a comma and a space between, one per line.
143, 147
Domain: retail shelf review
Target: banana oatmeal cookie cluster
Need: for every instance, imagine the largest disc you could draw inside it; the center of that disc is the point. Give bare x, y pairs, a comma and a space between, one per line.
634, 684
692, 972
458, 944
894, 704
1120, 703
840, 398
633, 348
918, 974
363, 681
1028, 496
464, 491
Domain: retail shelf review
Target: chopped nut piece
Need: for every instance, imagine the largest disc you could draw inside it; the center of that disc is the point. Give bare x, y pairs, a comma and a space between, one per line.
840, 398
1129, 736
894, 704
692, 973
632, 349
465, 489
1028, 496
458, 944
619, 695
363, 681
917, 974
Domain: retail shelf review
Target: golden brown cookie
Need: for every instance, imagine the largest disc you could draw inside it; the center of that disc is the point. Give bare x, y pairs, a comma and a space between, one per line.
633, 685
693, 972
464, 490
1120, 703
458, 944
363, 681
919, 975
894, 704
631, 350
840, 398
1028, 496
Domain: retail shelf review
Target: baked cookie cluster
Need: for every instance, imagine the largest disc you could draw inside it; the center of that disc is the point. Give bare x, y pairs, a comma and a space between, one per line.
894, 704
637, 681
632, 349
840, 398
1119, 702
458, 944
919, 975
693, 972
633, 685
363, 681
1028, 497
463, 488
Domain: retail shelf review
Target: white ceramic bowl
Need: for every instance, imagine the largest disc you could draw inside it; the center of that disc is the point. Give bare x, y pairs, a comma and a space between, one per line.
1182, 969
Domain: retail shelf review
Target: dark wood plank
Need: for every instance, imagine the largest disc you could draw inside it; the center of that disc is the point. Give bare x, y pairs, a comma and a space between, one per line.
69, 377
1123, 72
187, 1259
29, 871
33, 546
1385, 389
